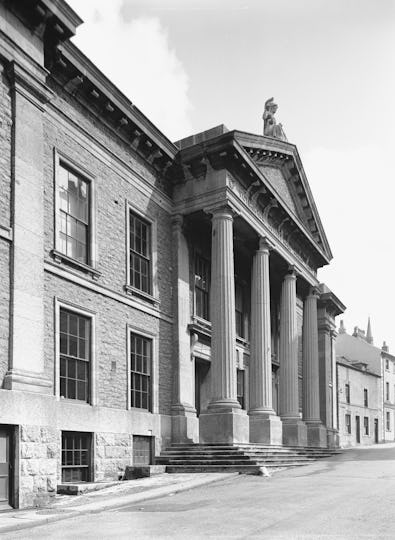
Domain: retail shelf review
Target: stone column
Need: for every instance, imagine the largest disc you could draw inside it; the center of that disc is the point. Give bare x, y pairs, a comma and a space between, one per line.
29, 95
185, 427
224, 420
316, 432
334, 380
294, 429
265, 425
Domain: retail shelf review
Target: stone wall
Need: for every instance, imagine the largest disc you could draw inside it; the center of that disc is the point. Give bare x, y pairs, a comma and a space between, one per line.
113, 453
39, 457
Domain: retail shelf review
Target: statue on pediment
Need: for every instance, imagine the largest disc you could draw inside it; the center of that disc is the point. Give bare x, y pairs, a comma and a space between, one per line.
270, 126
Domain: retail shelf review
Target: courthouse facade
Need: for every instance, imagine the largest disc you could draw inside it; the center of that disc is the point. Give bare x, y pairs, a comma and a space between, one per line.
150, 292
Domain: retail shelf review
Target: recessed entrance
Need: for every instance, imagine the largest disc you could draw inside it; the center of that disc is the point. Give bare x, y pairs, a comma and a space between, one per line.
5, 468
376, 430
201, 369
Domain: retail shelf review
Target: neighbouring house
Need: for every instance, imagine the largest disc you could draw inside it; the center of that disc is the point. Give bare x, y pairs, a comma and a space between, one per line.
366, 389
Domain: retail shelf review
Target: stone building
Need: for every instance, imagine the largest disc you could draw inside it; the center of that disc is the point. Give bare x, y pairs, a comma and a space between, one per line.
366, 389
151, 292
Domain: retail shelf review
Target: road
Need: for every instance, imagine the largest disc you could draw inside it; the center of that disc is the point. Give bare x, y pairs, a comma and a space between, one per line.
351, 496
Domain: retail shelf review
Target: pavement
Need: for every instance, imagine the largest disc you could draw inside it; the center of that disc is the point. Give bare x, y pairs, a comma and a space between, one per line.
115, 496
351, 495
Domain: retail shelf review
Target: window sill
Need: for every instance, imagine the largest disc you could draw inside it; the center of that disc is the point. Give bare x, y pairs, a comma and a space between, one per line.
74, 401
243, 341
61, 258
141, 295
137, 409
200, 326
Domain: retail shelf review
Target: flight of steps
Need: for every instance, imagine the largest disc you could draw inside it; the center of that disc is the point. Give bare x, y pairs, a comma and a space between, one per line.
242, 458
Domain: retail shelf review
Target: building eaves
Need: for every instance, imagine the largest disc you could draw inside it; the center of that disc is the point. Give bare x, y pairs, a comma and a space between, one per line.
88, 70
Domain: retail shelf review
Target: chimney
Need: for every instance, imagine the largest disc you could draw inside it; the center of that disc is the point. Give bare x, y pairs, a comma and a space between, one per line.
385, 347
342, 328
369, 337
358, 333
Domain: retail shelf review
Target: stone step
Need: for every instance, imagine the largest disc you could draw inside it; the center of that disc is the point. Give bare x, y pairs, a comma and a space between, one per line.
203, 462
234, 459
246, 469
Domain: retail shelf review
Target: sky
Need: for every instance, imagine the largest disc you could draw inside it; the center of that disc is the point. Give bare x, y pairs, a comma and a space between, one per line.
189, 65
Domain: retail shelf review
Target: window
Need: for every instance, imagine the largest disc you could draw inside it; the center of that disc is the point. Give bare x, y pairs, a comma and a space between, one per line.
240, 388
76, 454
387, 421
140, 372
239, 311
75, 337
366, 425
74, 214
142, 450
387, 391
387, 364
140, 255
347, 388
202, 287
365, 397
348, 423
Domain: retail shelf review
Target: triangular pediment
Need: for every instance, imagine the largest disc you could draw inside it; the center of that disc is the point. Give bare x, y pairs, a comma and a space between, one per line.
282, 169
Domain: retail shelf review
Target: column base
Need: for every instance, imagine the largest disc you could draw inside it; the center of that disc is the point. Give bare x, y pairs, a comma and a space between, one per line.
28, 381
226, 426
294, 432
184, 424
266, 429
316, 435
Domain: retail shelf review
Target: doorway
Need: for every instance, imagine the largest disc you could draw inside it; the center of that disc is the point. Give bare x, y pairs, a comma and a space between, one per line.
6, 453
201, 369
376, 430
358, 429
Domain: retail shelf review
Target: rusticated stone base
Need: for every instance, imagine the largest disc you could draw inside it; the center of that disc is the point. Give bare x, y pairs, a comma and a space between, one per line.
266, 429
39, 455
228, 427
316, 435
294, 432
113, 455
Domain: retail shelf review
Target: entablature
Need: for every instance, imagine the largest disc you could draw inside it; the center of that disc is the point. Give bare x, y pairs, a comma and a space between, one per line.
248, 184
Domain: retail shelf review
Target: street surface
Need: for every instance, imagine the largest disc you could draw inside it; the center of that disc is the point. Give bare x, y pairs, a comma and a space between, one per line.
351, 496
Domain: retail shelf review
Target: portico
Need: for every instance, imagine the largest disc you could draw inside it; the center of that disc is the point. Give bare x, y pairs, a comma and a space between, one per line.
250, 221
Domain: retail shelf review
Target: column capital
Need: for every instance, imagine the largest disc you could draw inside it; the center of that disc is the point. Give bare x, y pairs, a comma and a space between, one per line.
265, 244
222, 209
292, 272
177, 221
313, 292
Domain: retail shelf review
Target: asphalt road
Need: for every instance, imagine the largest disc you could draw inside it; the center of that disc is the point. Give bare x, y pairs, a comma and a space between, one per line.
351, 496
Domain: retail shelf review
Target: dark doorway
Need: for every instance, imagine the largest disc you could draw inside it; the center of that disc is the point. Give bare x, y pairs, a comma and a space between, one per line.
201, 370
5, 468
376, 430
358, 429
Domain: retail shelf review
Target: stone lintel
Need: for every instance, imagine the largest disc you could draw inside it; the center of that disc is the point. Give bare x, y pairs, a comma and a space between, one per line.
294, 432
226, 427
17, 379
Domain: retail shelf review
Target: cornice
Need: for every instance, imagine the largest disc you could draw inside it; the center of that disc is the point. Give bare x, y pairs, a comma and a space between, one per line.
70, 59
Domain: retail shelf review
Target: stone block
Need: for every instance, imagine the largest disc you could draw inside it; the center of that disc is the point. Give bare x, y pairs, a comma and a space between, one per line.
30, 433
316, 435
143, 471
185, 429
224, 427
294, 432
266, 429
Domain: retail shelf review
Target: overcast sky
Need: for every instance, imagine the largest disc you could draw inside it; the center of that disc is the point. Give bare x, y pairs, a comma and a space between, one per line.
192, 64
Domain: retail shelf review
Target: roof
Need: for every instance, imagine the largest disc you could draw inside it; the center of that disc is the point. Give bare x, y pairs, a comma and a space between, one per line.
352, 351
